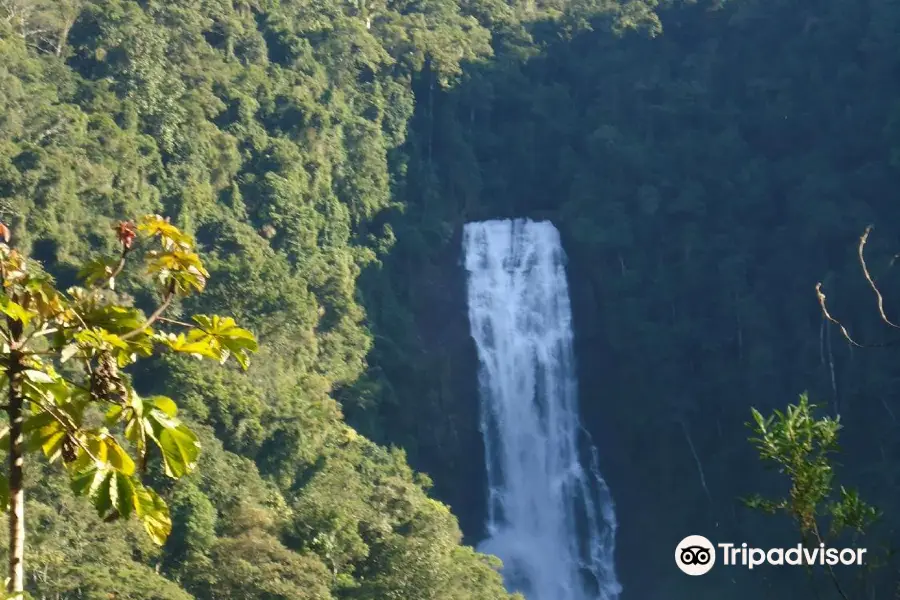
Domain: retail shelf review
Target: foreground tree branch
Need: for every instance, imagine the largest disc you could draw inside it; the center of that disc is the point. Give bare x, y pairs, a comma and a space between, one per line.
801, 444
90, 328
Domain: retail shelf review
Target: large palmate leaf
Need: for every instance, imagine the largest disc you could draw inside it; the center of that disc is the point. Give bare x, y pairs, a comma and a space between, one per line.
182, 267
196, 343
131, 415
153, 512
216, 337
117, 495
114, 319
232, 340
96, 340
105, 450
15, 311
155, 418
44, 432
171, 236
179, 445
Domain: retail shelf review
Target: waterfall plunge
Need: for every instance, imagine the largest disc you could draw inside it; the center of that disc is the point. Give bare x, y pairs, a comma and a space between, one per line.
550, 520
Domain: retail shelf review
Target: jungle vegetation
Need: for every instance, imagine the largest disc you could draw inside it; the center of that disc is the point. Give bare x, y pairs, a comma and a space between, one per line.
707, 162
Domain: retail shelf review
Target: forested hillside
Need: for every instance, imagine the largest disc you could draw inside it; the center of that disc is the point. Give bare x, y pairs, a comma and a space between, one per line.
707, 162
264, 130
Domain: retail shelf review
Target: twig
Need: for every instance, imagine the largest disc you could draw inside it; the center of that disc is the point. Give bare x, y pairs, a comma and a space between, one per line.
177, 322
121, 263
831, 368
844, 329
183, 324
167, 300
828, 316
690, 442
831, 572
862, 261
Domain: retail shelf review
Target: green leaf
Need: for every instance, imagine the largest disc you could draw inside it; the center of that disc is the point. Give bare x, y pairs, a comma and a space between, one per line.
118, 458
68, 352
36, 376
195, 343
37, 421
49, 439
760, 422
116, 413
155, 225
98, 269
123, 494
178, 266
153, 512
113, 493
132, 416
101, 494
165, 404
56, 391
231, 339
15, 311
180, 449
115, 319
97, 338
86, 481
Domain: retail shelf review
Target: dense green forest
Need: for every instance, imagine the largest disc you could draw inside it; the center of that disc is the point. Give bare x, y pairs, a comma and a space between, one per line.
706, 161
263, 130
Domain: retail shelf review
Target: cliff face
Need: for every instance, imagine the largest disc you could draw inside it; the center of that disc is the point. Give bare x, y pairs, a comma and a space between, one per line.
428, 382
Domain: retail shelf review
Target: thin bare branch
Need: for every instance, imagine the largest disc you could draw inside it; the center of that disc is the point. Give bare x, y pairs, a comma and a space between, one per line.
177, 322
121, 263
690, 442
182, 324
167, 301
828, 316
834, 579
862, 261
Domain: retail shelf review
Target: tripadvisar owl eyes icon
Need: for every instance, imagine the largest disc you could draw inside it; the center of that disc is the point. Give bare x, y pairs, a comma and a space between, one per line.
695, 555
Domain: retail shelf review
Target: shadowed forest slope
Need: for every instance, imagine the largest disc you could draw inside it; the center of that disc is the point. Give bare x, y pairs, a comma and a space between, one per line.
705, 175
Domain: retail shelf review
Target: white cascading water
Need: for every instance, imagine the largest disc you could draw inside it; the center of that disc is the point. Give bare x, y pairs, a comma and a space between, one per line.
550, 520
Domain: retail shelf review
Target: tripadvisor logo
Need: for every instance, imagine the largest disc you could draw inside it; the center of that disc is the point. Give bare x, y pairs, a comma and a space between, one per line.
696, 555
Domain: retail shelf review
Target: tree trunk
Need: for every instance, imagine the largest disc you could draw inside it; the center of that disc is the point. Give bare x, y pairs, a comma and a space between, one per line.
16, 488
63, 36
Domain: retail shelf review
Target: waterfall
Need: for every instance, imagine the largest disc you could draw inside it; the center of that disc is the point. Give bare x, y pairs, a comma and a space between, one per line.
550, 520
